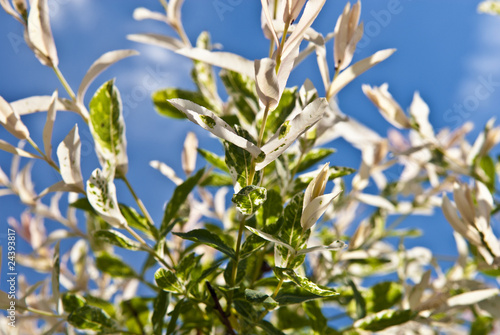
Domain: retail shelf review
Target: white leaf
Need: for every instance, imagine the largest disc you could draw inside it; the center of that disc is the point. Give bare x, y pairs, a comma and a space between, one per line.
266, 82
267, 14
464, 229
4, 180
167, 171
387, 106
317, 186
101, 64
353, 71
16, 151
375, 201
174, 11
420, 112
163, 41
68, 153
40, 34
214, 124
270, 238
225, 60
142, 13
101, 194
61, 186
8, 8
473, 297
323, 65
337, 245
41, 103
290, 130
315, 209
11, 121
189, 153
49, 125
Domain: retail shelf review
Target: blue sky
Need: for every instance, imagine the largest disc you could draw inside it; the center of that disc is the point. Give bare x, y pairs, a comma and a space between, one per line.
446, 51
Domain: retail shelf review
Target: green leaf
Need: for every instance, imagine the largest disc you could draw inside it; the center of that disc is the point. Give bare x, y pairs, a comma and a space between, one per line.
137, 221
269, 328
249, 199
483, 325
167, 280
56, 269
242, 92
488, 166
160, 306
228, 273
174, 315
186, 265
217, 180
383, 295
202, 73
305, 283
312, 157
238, 162
108, 128
93, 318
213, 159
136, 313
116, 238
72, 301
282, 111
204, 236
292, 294
271, 210
257, 297
384, 319
114, 266
316, 317
180, 195
359, 300
163, 107
107, 306
83, 204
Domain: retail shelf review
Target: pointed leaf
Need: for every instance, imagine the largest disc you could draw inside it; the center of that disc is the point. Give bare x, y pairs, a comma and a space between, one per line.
163, 41
41, 103
141, 13
56, 269
101, 194
11, 121
16, 151
249, 199
214, 124
290, 130
357, 69
167, 281
49, 125
204, 236
101, 64
163, 107
108, 128
225, 60
40, 34
116, 238
306, 284
68, 154
160, 306
114, 266
267, 82
384, 319
213, 159
92, 318
270, 238
473, 297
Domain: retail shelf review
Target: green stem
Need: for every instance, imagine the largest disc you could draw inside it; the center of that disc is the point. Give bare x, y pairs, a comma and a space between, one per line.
44, 313
137, 200
263, 126
234, 271
280, 47
147, 248
64, 83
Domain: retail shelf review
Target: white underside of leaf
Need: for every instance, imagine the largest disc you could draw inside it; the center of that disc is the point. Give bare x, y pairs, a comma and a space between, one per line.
68, 153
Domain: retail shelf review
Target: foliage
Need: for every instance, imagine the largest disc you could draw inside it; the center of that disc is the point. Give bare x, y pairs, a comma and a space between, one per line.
281, 254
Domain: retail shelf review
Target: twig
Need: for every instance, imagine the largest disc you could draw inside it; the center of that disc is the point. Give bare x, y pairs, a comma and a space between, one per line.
218, 307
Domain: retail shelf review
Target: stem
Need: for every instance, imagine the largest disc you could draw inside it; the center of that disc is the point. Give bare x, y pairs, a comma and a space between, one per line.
234, 271
44, 313
64, 83
263, 126
280, 47
138, 201
218, 307
337, 70
148, 248
47, 159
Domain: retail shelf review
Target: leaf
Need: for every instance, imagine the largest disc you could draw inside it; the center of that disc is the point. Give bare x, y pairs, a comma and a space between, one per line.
101, 194
49, 125
56, 270
93, 318
291, 230
303, 180
217, 179
285, 107
72, 302
240, 273
292, 294
116, 238
290, 130
163, 41
136, 313
137, 221
266, 82
141, 13
269, 328
41, 103
68, 154
306, 284
167, 280
214, 124
114, 266
316, 317
204, 236
482, 325
359, 300
40, 35
16, 151
249, 199
174, 315
384, 319
382, 296
160, 306
270, 238
312, 157
186, 265
243, 93
163, 107
488, 166
180, 195
472, 297
101, 64
353, 71
11, 121
315, 209
225, 60
108, 128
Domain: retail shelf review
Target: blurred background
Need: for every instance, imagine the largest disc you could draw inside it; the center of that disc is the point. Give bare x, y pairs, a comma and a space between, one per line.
445, 50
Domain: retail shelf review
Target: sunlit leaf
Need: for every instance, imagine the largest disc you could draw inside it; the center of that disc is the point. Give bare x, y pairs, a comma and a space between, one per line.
168, 281
204, 236
249, 199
